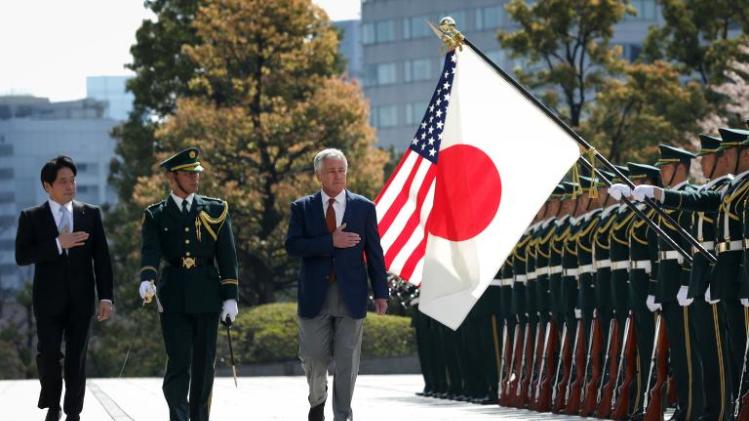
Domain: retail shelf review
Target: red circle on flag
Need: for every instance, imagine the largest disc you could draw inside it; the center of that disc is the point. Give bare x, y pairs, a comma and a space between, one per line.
467, 193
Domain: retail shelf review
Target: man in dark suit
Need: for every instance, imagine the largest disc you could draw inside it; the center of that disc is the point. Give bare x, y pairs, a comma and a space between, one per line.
334, 231
65, 241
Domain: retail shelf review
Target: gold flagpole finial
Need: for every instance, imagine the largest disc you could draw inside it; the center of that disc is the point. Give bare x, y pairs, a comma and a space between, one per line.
448, 33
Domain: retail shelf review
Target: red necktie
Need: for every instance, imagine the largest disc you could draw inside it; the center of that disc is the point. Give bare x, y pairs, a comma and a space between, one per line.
331, 223
330, 216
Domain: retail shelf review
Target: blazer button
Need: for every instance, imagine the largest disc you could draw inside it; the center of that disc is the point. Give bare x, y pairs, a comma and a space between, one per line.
187, 229
187, 241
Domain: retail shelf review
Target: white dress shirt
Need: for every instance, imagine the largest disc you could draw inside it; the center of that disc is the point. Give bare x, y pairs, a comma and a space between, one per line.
339, 205
178, 200
54, 207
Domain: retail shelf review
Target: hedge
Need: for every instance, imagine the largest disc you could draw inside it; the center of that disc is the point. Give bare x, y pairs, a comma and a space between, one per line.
270, 333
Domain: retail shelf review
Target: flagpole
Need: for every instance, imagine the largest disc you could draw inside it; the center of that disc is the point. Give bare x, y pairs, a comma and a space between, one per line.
684, 234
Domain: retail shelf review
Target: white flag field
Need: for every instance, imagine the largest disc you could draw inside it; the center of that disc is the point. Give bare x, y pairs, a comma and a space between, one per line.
483, 161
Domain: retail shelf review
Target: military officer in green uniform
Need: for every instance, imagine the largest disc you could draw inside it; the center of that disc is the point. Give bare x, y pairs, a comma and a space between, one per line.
671, 286
708, 320
725, 280
643, 255
192, 236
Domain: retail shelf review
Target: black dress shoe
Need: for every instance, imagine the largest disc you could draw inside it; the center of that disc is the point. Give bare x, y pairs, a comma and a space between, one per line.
73, 418
317, 413
53, 414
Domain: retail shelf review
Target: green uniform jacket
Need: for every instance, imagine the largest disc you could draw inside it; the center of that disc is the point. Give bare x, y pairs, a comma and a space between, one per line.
200, 268
584, 244
602, 257
703, 229
729, 205
673, 272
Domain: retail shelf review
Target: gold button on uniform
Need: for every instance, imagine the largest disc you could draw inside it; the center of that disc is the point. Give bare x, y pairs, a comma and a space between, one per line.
187, 253
187, 229
187, 241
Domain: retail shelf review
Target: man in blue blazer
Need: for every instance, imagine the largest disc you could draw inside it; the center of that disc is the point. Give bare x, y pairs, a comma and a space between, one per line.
335, 233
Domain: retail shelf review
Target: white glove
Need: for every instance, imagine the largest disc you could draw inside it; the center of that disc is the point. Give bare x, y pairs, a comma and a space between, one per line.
681, 296
616, 191
230, 309
578, 313
651, 304
642, 191
147, 289
745, 302
709, 299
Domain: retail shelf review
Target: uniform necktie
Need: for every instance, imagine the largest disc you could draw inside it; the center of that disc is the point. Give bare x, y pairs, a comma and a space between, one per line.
185, 211
330, 219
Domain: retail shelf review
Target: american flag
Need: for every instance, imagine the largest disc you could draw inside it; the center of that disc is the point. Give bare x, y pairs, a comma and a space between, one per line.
404, 204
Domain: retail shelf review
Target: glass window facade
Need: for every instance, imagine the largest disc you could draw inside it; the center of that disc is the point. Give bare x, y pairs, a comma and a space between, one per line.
489, 17
415, 70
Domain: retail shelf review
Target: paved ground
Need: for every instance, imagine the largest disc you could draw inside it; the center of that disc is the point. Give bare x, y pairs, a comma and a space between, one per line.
377, 398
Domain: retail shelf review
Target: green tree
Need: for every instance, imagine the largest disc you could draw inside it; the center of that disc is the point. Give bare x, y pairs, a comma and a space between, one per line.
268, 96
649, 105
697, 34
566, 44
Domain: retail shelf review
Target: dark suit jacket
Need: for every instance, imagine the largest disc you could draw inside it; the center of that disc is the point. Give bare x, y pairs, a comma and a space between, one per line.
64, 283
308, 238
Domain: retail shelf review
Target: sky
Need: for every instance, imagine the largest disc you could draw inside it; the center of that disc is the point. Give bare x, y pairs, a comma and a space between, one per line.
48, 47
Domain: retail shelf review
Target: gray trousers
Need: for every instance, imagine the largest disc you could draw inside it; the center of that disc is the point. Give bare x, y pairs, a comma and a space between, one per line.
331, 336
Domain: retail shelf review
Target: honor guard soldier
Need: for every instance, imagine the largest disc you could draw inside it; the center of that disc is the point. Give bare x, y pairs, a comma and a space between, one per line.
584, 243
643, 254
672, 286
725, 280
192, 235
708, 319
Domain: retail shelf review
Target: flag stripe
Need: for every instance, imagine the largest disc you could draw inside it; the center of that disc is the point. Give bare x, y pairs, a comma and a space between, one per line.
401, 196
386, 196
399, 213
414, 262
414, 226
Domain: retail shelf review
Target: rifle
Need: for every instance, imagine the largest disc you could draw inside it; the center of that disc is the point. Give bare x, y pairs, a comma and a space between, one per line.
626, 372
538, 355
741, 411
503, 357
563, 373
654, 396
594, 368
515, 381
506, 398
544, 386
578, 367
526, 370
608, 383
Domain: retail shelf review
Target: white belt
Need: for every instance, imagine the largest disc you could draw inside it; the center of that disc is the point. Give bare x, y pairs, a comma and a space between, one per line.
553, 270
671, 255
621, 264
587, 268
506, 282
640, 264
730, 246
746, 243
521, 278
532, 275
571, 272
708, 245
600, 264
